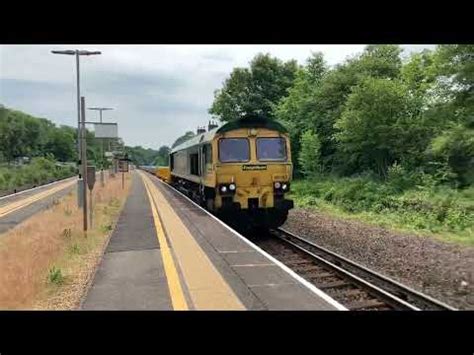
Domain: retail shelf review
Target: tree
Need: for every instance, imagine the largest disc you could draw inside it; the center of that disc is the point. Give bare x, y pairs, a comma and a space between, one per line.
187, 136
13, 134
376, 127
297, 109
163, 156
254, 91
318, 95
455, 146
455, 69
380, 61
453, 111
61, 144
309, 157
419, 74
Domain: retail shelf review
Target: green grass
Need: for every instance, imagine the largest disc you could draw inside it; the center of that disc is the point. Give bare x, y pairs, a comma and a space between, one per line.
437, 211
55, 276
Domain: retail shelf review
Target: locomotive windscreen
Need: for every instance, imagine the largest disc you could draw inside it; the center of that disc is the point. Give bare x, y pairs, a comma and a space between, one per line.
234, 150
271, 149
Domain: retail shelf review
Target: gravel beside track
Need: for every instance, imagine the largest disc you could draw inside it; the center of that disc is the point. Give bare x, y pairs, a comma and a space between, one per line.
442, 270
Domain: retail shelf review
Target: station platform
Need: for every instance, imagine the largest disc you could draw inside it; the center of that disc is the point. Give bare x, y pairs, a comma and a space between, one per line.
167, 253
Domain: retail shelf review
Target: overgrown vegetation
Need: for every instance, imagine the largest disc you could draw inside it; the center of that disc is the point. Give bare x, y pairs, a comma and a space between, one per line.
396, 203
34, 150
381, 133
26, 136
38, 171
146, 156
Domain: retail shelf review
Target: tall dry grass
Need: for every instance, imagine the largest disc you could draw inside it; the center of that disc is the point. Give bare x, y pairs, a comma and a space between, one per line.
54, 238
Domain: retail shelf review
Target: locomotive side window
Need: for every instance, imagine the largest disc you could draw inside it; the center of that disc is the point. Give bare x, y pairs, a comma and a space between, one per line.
172, 161
207, 150
271, 149
194, 162
233, 150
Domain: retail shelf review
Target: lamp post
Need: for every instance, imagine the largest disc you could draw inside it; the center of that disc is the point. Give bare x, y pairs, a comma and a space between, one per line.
100, 109
78, 53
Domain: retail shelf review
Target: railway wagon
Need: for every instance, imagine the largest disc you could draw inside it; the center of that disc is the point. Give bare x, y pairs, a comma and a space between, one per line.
163, 172
240, 171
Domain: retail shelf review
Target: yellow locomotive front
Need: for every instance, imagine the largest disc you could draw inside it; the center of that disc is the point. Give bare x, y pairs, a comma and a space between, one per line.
253, 172
240, 171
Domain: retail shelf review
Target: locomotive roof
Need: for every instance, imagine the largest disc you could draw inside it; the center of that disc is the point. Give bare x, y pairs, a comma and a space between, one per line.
198, 139
248, 122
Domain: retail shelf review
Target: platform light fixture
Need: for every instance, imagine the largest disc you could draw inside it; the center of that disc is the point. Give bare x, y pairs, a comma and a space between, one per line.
78, 53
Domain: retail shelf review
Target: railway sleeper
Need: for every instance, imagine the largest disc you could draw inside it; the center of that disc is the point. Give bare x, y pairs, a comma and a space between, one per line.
307, 268
321, 275
353, 292
366, 304
334, 284
298, 262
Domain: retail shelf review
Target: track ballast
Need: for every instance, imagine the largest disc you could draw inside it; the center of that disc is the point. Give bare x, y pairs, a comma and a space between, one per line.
351, 284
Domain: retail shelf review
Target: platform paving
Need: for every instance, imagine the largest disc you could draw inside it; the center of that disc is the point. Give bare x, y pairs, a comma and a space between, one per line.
255, 279
201, 262
131, 275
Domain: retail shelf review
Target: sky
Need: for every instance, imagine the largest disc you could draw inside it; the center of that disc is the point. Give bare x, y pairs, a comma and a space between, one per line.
158, 92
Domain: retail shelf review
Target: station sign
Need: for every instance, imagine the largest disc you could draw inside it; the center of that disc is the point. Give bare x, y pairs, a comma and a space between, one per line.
123, 165
106, 130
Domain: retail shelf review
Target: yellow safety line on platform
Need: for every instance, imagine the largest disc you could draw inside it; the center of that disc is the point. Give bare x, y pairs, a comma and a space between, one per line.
207, 288
176, 292
16, 205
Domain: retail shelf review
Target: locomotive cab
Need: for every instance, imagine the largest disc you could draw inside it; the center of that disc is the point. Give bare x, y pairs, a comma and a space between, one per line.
240, 172
254, 173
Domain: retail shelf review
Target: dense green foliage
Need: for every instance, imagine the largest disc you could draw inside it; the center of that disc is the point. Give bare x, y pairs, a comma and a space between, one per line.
395, 203
22, 135
256, 90
30, 146
148, 156
38, 172
309, 158
163, 156
380, 133
370, 112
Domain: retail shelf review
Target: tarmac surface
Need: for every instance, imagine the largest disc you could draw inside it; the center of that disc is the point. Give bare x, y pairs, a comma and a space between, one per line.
131, 274
16, 208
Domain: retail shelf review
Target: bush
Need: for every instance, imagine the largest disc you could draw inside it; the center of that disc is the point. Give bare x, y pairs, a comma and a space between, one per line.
38, 171
398, 178
410, 200
309, 157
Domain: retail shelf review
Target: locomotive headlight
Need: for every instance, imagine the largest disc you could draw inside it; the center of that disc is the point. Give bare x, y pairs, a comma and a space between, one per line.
223, 189
232, 187
277, 185
284, 187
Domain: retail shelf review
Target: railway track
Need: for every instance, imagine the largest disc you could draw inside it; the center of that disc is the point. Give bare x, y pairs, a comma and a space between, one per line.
29, 188
351, 284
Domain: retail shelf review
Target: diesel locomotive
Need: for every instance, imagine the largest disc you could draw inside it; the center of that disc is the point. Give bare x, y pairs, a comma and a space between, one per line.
240, 171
